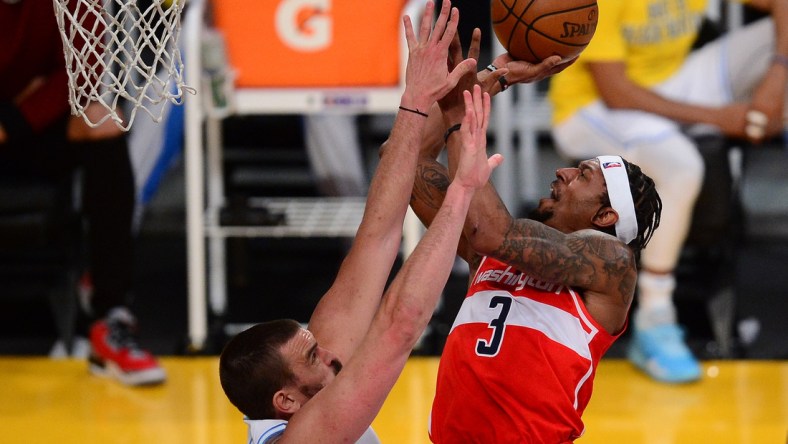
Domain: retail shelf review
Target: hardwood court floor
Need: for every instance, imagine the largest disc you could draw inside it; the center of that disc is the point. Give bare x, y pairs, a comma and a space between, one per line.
56, 401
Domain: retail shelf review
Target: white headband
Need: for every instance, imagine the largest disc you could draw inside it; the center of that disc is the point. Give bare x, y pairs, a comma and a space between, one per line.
620, 196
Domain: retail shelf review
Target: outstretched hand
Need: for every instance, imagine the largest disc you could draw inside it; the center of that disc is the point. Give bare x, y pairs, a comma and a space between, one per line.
452, 104
473, 167
525, 72
427, 76
514, 71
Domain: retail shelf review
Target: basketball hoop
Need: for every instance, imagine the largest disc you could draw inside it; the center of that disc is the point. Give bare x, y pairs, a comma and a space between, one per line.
115, 50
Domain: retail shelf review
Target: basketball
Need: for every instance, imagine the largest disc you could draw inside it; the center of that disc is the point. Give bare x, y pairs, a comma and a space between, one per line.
532, 30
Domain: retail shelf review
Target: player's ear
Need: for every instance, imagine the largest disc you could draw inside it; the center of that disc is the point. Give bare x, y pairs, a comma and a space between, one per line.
285, 403
605, 217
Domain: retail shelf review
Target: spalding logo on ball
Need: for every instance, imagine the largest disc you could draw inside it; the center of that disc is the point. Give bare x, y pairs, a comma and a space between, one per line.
533, 30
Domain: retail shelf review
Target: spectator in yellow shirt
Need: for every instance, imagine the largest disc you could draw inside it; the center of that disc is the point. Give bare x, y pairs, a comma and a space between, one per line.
640, 91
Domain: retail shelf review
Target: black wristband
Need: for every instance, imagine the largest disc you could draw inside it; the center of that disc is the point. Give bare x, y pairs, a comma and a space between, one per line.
448, 132
414, 111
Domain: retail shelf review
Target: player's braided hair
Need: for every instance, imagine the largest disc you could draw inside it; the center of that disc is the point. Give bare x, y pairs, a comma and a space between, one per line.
648, 206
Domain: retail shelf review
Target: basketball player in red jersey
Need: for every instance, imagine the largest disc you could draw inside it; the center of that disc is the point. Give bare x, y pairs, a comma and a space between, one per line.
546, 299
285, 379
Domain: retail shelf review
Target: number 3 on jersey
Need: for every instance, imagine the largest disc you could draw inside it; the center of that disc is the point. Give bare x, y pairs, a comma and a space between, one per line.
498, 325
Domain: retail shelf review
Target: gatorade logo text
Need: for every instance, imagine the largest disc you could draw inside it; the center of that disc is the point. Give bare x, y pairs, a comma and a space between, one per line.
304, 25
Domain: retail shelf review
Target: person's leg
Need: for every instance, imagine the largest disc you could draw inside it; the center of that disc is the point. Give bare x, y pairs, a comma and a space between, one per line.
108, 194
749, 53
677, 169
727, 69
109, 198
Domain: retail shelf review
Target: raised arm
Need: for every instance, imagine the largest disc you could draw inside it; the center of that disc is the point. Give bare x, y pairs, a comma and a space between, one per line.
357, 394
432, 180
342, 317
432, 177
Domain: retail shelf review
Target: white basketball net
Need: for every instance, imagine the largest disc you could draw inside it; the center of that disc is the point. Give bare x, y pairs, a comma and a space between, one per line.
114, 50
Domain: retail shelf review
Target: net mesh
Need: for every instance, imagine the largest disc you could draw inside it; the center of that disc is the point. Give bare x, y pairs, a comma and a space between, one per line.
121, 54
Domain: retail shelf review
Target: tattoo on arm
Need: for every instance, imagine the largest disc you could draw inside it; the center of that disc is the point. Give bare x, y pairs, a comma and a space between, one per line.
432, 181
626, 286
577, 260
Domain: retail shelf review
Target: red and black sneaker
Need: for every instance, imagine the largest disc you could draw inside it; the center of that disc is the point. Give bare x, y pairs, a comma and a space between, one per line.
115, 352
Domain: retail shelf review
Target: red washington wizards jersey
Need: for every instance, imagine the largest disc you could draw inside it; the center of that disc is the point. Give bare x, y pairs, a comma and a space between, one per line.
519, 362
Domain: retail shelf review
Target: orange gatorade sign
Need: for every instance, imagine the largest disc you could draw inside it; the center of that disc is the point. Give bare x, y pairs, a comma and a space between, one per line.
312, 43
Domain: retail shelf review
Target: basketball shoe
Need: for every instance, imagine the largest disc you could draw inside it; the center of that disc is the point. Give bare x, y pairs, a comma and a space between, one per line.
115, 353
660, 351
